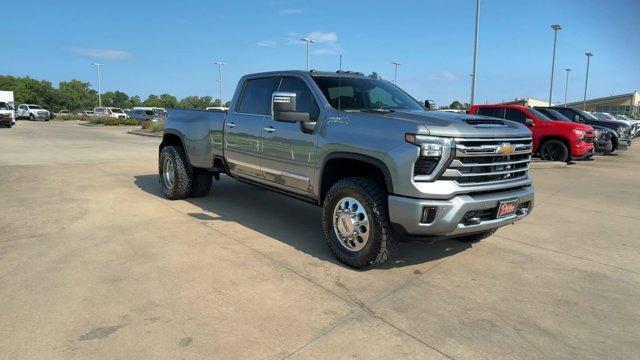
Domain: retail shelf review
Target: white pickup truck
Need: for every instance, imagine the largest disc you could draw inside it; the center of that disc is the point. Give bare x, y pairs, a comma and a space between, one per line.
32, 112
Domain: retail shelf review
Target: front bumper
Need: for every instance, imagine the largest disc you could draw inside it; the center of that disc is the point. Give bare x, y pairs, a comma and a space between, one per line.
603, 145
581, 150
624, 143
406, 213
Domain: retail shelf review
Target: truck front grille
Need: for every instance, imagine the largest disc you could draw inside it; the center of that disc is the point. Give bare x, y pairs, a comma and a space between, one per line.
484, 161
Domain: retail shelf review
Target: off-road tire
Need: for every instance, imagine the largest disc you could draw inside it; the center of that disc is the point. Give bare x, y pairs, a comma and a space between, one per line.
182, 176
563, 156
475, 237
382, 243
200, 183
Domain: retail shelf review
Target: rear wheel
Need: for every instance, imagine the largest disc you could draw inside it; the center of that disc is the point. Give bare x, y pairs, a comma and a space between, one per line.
201, 183
175, 178
554, 150
356, 223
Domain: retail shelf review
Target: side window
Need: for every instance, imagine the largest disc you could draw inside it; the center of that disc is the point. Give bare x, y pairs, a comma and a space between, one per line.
492, 112
515, 115
305, 101
568, 113
256, 97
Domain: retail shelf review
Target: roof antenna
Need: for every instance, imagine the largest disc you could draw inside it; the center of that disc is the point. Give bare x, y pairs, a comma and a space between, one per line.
340, 82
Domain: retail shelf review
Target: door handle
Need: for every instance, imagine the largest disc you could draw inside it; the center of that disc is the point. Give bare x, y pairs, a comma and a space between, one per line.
269, 129
230, 124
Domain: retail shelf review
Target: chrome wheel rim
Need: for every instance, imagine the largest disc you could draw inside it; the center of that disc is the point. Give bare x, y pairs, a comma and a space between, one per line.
351, 224
168, 172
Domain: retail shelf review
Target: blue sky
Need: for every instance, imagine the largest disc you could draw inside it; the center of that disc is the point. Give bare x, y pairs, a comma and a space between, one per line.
170, 46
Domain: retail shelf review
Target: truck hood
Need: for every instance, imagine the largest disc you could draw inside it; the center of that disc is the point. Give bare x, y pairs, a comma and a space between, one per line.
459, 125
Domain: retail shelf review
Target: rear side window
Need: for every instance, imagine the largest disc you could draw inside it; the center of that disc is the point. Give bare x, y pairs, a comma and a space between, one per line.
305, 102
256, 97
491, 111
515, 115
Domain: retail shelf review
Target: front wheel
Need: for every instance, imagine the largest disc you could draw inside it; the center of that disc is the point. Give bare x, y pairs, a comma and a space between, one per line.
32, 117
356, 223
554, 150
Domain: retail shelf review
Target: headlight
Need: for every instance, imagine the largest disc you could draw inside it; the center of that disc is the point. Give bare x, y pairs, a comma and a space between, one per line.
435, 152
579, 133
622, 130
431, 146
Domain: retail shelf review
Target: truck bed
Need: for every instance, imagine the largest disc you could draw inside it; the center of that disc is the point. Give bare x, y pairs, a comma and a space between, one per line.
201, 132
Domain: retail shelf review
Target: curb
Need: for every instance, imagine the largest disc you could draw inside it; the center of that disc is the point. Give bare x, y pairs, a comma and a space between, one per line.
539, 164
136, 132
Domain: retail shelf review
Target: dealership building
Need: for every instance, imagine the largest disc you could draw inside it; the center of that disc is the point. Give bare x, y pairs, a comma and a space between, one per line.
614, 104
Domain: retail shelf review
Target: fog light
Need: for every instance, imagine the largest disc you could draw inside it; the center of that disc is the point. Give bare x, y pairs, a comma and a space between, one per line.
428, 215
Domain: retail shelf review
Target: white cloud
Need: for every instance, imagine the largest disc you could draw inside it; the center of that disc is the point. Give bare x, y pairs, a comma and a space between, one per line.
447, 75
290, 11
330, 49
323, 37
266, 43
101, 53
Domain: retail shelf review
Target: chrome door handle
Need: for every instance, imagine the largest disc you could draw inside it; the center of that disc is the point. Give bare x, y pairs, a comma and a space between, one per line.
269, 129
230, 124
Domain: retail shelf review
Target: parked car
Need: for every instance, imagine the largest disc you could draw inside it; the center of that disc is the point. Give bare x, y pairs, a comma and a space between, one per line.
160, 111
635, 127
110, 112
7, 115
217, 108
64, 113
622, 138
145, 115
85, 113
378, 163
553, 140
32, 112
602, 138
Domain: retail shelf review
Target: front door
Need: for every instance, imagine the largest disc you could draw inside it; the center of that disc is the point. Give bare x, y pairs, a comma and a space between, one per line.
243, 127
288, 153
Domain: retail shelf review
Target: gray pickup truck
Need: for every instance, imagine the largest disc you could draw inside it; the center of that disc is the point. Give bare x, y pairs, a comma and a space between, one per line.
381, 166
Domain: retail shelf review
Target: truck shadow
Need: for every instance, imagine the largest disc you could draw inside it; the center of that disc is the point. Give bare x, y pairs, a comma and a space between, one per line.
288, 220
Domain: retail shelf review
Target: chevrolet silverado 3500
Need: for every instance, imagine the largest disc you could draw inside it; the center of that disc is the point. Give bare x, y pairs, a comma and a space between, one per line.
379, 164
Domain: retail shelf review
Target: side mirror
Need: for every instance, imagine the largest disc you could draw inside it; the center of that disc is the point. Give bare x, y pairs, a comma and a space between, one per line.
577, 119
283, 108
529, 122
429, 105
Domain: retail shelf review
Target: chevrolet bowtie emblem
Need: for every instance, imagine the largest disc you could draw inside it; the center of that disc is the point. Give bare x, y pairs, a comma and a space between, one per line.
505, 149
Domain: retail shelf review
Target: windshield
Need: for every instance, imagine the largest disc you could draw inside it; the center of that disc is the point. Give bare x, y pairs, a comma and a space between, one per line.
4, 106
586, 114
116, 110
364, 94
539, 115
553, 114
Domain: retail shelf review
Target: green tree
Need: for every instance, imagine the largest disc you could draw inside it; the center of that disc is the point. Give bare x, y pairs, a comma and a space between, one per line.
195, 102
163, 101
75, 95
456, 105
116, 99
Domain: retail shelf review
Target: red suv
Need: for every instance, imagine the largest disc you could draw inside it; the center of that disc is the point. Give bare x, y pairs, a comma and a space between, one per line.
552, 140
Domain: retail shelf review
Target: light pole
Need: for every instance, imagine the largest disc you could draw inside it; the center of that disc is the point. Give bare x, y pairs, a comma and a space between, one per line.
98, 66
566, 86
308, 41
395, 72
220, 64
475, 53
586, 81
555, 28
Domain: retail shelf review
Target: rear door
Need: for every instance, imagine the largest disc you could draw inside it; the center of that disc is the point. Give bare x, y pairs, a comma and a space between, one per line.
288, 153
520, 116
243, 126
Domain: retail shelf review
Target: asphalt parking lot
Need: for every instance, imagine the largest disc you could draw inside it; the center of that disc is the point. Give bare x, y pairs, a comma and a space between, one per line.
95, 263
